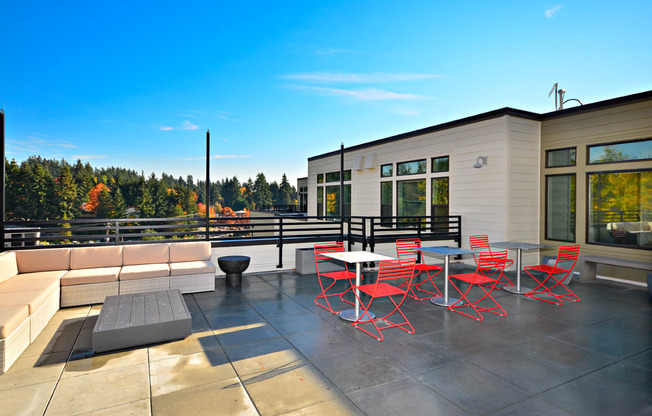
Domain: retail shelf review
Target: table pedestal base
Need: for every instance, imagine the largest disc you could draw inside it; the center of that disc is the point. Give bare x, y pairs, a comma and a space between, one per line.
515, 290
441, 301
349, 315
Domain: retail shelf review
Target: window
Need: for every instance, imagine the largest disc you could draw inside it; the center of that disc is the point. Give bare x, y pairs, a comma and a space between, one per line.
439, 164
320, 201
320, 178
333, 201
560, 207
621, 152
333, 177
620, 208
347, 175
411, 198
560, 157
387, 171
346, 208
411, 168
439, 207
386, 198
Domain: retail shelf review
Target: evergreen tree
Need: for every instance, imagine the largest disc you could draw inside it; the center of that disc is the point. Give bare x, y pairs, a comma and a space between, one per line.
105, 206
275, 191
261, 193
119, 205
41, 195
14, 189
285, 192
146, 203
67, 194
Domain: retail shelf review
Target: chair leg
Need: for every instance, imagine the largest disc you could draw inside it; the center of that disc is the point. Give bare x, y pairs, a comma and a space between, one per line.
412, 294
475, 304
541, 289
357, 323
569, 295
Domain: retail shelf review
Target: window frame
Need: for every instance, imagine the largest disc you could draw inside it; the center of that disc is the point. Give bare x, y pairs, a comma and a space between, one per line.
425, 167
547, 205
382, 175
548, 166
589, 147
432, 164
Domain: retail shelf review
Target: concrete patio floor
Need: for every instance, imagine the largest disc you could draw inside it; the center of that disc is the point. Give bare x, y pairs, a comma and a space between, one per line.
265, 349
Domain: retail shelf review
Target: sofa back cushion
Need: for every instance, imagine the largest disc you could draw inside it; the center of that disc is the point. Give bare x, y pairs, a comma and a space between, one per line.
190, 251
43, 260
8, 268
92, 257
145, 254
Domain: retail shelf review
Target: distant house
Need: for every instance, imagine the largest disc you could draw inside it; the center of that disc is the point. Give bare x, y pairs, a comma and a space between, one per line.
580, 175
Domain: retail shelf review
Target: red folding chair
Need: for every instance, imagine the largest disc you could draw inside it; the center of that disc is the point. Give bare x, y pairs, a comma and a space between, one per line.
335, 276
409, 247
565, 254
481, 242
398, 272
489, 263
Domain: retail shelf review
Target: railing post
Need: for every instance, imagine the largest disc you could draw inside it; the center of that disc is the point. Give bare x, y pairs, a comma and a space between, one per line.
349, 238
280, 243
372, 227
117, 232
459, 230
341, 228
208, 227
419, 228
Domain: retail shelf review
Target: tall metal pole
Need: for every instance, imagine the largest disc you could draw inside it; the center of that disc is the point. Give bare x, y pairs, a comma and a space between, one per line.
342, 180
207, 202
2, 194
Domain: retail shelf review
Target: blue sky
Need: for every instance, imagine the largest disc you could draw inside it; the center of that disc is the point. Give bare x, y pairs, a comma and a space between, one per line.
137, 84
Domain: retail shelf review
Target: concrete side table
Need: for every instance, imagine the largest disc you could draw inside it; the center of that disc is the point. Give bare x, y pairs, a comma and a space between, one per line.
233, 266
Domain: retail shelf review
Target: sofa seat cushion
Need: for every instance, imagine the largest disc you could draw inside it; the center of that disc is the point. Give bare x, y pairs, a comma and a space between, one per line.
55, 274
40, 260
191, 267
145, 254
18, 284
32, 298
11, 317
86, 276
191, 251
144, 271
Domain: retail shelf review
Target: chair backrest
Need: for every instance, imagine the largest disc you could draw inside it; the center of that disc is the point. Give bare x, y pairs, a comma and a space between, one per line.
568, 253
479, 242
408, 247
323, 248
401, 269
491, 260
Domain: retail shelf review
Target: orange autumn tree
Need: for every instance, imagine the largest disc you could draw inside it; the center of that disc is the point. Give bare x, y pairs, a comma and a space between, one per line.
201, 209
94, 196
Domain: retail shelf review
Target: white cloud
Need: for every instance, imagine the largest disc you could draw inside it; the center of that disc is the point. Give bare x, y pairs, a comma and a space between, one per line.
550, 13
368, 94
378, 77
166, 128
87, 157
187, 125
406, 111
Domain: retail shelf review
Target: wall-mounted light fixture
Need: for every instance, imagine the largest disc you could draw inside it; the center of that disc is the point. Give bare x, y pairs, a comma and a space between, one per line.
482, 160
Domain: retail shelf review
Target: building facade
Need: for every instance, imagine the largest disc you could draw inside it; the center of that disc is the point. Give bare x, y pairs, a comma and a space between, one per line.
582, 175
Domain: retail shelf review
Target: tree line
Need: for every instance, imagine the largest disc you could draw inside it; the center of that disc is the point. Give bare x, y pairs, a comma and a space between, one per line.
39, 188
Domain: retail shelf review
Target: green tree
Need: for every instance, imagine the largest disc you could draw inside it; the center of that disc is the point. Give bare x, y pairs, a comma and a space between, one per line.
66, 190
261, 193
285, 192
119, 205
105, 205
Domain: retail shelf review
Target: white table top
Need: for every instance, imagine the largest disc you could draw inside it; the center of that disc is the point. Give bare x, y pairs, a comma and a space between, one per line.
358, 256
518, 245
448, 251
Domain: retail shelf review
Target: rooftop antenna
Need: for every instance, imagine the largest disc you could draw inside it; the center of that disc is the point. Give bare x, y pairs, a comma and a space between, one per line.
559, 105
554, 89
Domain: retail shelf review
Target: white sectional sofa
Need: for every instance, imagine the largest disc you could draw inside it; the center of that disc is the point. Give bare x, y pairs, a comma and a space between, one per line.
34, 284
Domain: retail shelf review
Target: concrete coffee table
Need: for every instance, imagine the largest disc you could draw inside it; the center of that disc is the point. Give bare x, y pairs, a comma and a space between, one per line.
141, 318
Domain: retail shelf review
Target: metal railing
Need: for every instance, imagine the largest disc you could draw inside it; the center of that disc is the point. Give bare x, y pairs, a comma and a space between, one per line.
228, 231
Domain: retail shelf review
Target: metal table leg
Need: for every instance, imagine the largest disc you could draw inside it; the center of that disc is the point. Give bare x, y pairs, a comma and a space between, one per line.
354, 314
444, 301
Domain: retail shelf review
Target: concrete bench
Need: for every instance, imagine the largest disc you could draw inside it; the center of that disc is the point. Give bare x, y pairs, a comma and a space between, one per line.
588, 265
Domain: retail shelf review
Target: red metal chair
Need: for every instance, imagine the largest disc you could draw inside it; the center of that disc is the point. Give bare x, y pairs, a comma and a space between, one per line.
335, 276
481, 242
409, 247
399, 271
488, 264
565, 254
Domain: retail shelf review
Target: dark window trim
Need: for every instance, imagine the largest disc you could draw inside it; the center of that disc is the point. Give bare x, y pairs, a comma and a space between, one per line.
432, 165
588, 152
412, 161
381, 170
395, 190
561, 166
545, 224
588, 208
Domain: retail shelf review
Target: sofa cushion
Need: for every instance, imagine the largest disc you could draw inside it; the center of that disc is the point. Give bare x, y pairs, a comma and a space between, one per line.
55, 274
191, 267
32, 298
190, 251
30, 261
18, 284
95, 257
144, 271
11, 317
145, 254
86, 276
8, 268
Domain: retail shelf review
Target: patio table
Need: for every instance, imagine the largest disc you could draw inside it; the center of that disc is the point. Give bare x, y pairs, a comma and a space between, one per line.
357, 257
446, 252
519, 247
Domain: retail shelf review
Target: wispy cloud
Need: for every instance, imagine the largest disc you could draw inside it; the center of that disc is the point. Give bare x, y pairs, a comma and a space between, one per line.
186, 125
550, 13
88, 157
368, 94
406, 111
166, 128
369, 78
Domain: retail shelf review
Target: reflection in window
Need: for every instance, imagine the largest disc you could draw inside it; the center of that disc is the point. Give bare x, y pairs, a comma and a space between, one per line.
621, 152
620, 208
386, 198
333, 201
320, 201
411, 198
411, 168
320, 178
387, 171
347, 200
332, 177
439, 206
560, 157
560, 207
439, 164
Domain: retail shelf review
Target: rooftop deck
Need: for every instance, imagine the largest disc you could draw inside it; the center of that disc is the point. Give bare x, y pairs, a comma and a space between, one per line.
266, 349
